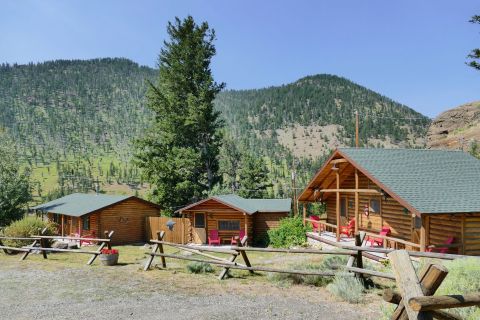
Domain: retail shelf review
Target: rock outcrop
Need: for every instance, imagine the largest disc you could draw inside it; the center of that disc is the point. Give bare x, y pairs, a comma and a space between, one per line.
455, 128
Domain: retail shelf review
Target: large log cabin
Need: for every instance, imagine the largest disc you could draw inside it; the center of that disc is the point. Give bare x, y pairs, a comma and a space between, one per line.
91, 214
424, 196
230, 214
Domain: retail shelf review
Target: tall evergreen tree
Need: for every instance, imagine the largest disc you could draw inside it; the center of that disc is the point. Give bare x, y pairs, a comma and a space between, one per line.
179, 154
253, 177
475, 53
230, 163
15, 191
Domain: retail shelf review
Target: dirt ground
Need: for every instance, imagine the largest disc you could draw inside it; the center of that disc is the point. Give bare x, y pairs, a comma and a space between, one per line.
63, 287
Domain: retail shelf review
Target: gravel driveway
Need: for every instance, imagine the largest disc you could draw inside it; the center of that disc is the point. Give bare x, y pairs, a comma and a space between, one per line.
32, 290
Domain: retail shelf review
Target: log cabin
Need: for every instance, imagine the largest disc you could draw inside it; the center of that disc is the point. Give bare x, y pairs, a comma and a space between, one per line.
425, 198
230, 214
92, 214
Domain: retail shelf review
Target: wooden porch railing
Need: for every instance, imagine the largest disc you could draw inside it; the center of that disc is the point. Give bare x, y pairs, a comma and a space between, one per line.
323, 225
392, 242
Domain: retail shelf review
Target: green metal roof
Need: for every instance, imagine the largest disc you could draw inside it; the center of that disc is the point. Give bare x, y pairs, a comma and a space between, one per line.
251, 206
79, 204
431, 181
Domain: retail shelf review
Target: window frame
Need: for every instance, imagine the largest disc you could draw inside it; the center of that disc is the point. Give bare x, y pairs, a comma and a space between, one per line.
371, 208
229, 221
195, 220
86, 222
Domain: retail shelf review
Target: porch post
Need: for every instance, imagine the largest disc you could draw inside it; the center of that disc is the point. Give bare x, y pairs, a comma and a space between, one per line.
304, 213
422, 235
63, 218
338, 205
357, 221
246, 227
183, 228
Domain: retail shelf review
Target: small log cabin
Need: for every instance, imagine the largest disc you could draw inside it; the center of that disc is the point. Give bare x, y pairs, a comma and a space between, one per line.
92, 214
229, 214
425, 197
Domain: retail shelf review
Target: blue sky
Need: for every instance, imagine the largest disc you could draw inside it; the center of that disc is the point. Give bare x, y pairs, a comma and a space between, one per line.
411, 51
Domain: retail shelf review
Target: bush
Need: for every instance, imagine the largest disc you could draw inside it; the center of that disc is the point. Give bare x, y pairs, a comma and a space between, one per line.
327, 264
347, 288
291, 232
26, 227
199, 267
463, 277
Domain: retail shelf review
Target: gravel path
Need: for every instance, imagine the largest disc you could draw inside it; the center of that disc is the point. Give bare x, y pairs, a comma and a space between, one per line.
29, 290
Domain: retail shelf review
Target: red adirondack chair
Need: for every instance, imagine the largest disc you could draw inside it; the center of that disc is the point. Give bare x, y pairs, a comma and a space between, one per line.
213, 237
241, 234
440, 249
349, 229
315, 225
88, 242
379, 241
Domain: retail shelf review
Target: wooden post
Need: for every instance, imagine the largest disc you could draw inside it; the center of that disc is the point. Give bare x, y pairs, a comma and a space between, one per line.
305, 214
246, 225
443, 302
358, 243
338, 205
430, 277
160, 236
357, 220
25, 255
232, 259
356, 129
108, 235
358, 258
407, 282
183, 228
422, 235
462, 248
241, 243
63, 225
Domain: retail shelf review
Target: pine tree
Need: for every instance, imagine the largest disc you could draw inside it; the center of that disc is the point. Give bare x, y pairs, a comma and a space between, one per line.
179, 154
475, 53
253, 177
15, 190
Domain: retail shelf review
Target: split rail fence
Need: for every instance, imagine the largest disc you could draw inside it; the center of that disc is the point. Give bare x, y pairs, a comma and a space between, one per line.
414, 300
40, 243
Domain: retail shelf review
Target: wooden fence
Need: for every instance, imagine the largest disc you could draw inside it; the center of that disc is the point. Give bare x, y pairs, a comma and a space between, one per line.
40, 243
180, 233
414, 299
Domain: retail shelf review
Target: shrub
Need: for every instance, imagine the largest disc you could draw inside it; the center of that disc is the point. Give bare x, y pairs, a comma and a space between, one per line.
291, 232
199, 267
347, 288
327, 264
26, 227
463, 277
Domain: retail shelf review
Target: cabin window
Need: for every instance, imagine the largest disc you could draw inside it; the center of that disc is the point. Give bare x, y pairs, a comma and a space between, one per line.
418, 222
375, 205
199, 220
229, 225
86, 223
343, 207
56, 218
351, 204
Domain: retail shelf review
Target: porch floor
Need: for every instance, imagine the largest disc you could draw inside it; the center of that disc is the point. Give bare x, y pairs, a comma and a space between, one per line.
332, 237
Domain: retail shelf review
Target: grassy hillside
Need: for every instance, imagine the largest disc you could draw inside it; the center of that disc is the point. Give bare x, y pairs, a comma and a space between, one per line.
75, 120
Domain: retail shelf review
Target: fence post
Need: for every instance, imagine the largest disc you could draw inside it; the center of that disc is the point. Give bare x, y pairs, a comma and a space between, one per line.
430, 278
408, 283
243, 253
232, 259
160, 236
34, 243
359, 258
108, 235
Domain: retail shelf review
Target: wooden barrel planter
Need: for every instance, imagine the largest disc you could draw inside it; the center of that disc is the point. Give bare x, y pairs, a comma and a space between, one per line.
109, 257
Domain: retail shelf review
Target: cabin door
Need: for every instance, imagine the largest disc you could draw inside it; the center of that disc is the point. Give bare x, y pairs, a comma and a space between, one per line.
199, 228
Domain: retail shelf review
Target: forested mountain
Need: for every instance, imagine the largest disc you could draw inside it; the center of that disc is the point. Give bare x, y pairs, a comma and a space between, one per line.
74, 121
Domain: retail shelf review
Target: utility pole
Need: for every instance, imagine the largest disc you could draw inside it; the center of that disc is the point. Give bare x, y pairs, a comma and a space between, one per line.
294, 177
356, 128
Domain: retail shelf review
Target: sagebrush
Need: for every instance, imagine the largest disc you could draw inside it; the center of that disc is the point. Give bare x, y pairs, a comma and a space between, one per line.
199, 267
347, 288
